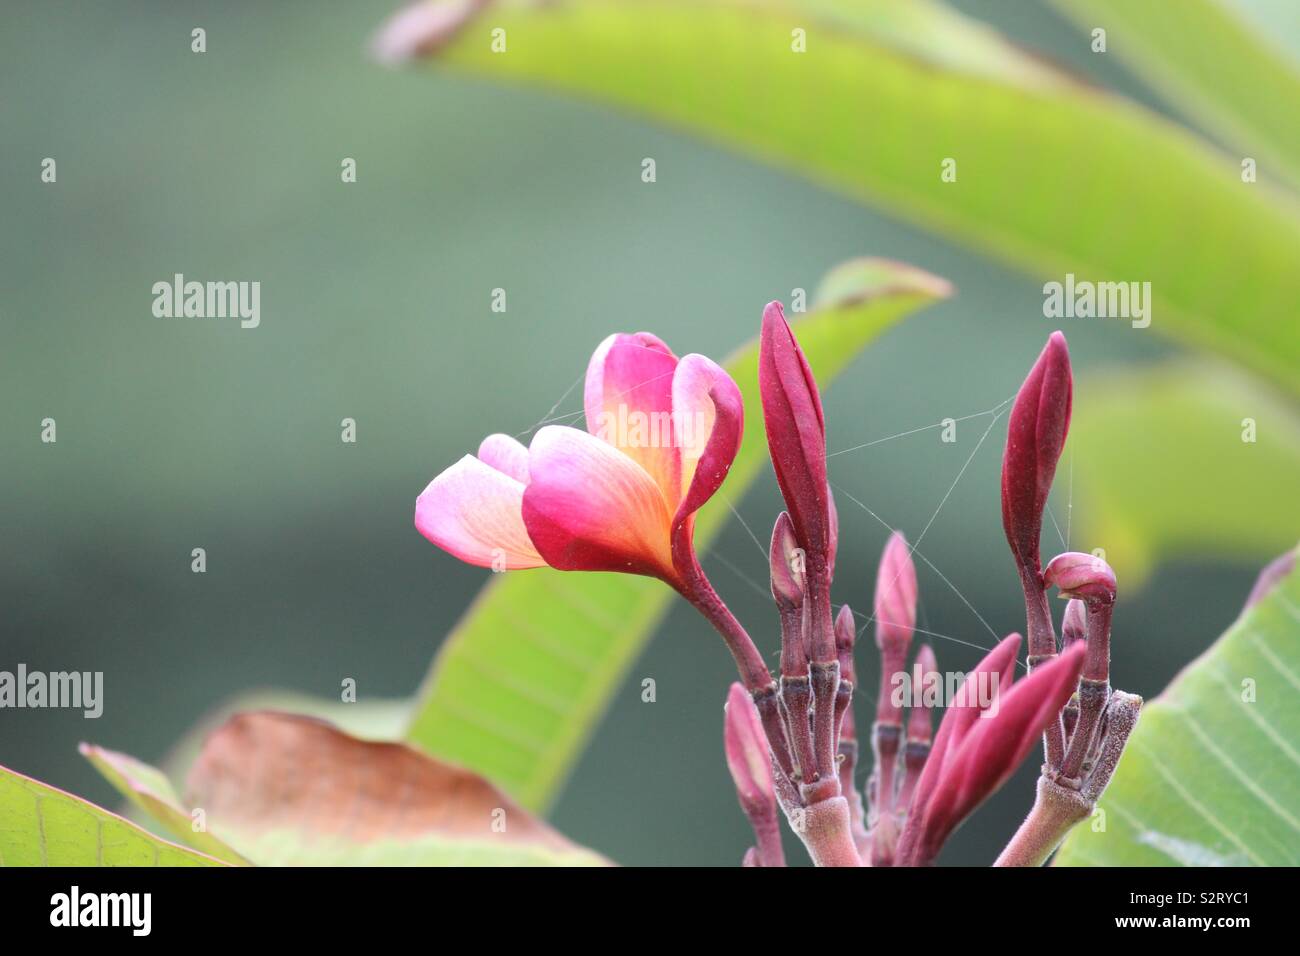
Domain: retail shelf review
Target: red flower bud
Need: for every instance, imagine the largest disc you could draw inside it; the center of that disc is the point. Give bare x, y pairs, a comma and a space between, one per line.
1036, 430
978, 748
796, 431
1083, 576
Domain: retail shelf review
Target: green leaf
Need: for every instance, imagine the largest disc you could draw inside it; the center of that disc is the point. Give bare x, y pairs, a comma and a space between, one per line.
150, 790
1053, 176
1165, 465
43, 826
518, 687
290, 790
1210, 64
1209, 775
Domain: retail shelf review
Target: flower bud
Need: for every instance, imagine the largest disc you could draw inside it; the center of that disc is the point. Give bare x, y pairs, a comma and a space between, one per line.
796, 431
895, 609
748, 755
749, 759
1085, 577
846, 635
1036, 430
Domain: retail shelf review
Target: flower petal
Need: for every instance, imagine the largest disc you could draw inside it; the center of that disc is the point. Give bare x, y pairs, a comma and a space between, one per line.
474, 512
708, 422
629, 404
506, 455
961, 713
589, 507
997, 745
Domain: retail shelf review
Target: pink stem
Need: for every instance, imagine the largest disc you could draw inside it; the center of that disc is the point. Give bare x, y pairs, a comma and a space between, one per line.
828, 833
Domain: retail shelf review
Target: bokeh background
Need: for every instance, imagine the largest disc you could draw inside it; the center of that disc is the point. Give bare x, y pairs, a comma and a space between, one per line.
176, 434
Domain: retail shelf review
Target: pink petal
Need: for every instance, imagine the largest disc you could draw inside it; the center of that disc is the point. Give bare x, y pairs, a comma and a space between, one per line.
473, 511
506, 455
708, 421
998, 744
589, 507
629, 404
961, 713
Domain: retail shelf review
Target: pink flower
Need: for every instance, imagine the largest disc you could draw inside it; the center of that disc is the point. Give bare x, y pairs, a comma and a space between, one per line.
661, 434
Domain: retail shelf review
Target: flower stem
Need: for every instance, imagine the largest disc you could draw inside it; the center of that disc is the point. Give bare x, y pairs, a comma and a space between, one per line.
1042, 648
770, 851
1056, 810
828, 833
695, 587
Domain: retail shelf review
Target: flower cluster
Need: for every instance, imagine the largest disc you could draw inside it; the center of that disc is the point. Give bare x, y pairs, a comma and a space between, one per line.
614, 499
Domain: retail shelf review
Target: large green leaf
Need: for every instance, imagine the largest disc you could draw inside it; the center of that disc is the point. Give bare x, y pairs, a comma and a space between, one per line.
1209, 776
1213, 66
1167, 463
149, 790
43, 826
517, 688
1054, 176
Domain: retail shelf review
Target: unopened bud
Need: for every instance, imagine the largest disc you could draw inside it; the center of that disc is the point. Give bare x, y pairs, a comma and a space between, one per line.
1074, 626
1036, 430
895, 608
1085, 577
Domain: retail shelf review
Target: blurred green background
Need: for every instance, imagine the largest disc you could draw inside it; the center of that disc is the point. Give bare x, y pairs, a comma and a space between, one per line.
177, 434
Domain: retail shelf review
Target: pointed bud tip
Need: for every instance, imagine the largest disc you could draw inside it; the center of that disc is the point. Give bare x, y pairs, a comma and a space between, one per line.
774, 320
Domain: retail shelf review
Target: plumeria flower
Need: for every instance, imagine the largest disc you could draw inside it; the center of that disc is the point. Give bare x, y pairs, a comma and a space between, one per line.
661, 434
